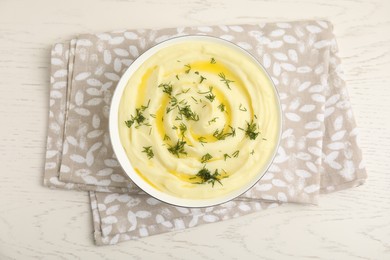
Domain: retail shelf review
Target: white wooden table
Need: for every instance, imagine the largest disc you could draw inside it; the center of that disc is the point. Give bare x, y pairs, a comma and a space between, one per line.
39, 223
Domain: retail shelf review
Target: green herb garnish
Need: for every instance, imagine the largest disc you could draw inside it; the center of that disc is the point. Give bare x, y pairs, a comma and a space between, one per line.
138, 118
206, 176
236, 153
221, 107
210, 95
167, 88
225, 156
220, 135
183, 128
213, 120
188, 68
225, 80
188, 113
149, 152
212, 61
178, 148
206, 157
201, 79
250, 130
202, 140
242, 108
166, 137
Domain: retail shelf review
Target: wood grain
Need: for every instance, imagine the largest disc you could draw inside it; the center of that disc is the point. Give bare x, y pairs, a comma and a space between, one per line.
39, 223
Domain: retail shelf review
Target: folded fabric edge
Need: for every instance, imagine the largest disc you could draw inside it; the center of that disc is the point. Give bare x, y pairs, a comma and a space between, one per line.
152, 230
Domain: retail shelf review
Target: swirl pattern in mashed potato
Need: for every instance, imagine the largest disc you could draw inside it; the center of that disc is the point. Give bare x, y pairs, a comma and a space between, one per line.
199, 120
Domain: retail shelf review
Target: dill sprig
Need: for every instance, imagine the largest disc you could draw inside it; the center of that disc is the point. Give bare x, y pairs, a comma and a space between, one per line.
212, 61
225, 156
202, 140
138, 118
206, 158
188, 66
250, 130
206, 176
236, 153
178, 148
174, 102
220, 135
242, 108
213, 120
166, 137
167, 88
182, 128
225, 80
221, 107
210, 95
149, 152
188, 113
201, 79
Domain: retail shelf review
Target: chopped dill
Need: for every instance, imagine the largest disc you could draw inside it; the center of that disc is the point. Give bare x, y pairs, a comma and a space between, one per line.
188, 66
206, 176
138, 118
183, 128
201, 79
202, 140
210, 95
225, 80
250, 130
206, 158
220, 135
221, 107
185, 91
149, 152
242, 108
188, 113
213, 120
178, 148
167, 88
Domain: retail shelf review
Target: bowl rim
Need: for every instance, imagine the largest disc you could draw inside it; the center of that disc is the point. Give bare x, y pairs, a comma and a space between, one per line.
120, 152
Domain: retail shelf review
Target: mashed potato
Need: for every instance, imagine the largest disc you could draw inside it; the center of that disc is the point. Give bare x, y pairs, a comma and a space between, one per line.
199, 120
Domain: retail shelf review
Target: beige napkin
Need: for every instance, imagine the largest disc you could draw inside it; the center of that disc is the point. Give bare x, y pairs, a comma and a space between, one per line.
318, 151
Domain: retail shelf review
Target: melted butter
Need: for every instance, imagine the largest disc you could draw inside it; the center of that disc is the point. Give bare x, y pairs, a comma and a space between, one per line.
143, 87
217, 68
159, 116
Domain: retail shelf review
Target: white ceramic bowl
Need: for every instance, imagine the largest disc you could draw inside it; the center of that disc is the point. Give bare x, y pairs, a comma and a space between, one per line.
120, 151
